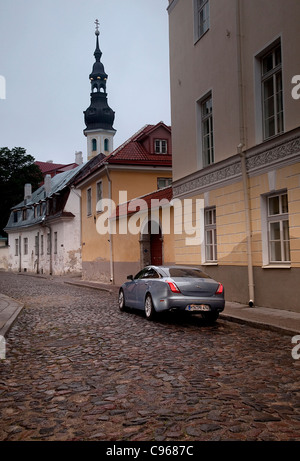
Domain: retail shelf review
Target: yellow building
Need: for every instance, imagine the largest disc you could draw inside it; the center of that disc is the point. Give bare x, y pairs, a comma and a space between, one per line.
142, 165
235, 99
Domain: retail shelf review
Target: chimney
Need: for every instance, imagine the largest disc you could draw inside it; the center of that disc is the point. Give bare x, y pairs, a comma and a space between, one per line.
47, 184
27, 192
78, 158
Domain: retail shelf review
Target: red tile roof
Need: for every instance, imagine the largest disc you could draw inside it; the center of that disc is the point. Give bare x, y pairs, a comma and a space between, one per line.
54, 168
132, 151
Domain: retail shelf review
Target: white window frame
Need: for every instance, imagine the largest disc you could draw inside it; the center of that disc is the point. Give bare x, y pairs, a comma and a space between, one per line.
25, 243
17, 247
89, 201
163, 182
273, 76
48, 243
280, 218
160, 146
201, 18
55, 243
210, 228
99, 196
208, 155
268, 219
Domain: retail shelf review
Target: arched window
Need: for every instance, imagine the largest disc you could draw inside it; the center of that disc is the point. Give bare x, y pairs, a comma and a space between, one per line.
106, 144
94, 144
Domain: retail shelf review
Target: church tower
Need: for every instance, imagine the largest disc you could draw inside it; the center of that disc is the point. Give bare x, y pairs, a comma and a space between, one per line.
98, 117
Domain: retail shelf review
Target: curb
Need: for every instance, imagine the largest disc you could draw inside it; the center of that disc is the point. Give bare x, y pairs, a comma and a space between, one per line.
260, 325
12, 318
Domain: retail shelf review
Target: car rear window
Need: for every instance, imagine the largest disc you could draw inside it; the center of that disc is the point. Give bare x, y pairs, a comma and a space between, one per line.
186, 272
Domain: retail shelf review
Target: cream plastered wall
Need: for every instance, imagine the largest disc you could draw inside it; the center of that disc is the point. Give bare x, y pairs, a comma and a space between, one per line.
231, 221
137, 183
211, 65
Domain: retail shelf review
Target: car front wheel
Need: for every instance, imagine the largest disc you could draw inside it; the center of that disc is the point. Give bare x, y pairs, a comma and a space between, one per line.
122, 305
149, 308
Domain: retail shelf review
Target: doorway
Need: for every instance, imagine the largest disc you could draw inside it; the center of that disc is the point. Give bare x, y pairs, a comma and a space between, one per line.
151, 245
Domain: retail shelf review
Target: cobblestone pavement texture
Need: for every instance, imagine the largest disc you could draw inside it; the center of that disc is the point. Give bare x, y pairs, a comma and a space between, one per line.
78, 369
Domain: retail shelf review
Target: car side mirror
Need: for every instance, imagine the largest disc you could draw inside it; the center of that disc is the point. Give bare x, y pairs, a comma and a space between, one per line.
130, 277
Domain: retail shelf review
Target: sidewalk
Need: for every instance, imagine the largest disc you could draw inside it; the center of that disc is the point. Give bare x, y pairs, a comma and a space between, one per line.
282, 321
9, 311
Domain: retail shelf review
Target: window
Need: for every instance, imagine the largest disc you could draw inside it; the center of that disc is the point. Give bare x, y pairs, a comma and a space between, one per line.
94, 144
106, 144
163, 182
24, 214
160, 146
278, 228
15, 216
36, 246
42, 244
16, 247
201, 18
272, 94
25, 246
210, 234
207, 131
48, 244
89, 202
99, 196
55, 243
34, 211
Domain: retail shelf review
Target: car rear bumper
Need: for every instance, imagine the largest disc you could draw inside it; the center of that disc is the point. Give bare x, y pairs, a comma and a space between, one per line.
180, 303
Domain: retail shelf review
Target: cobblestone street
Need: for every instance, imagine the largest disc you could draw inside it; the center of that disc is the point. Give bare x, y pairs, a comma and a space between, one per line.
78, 369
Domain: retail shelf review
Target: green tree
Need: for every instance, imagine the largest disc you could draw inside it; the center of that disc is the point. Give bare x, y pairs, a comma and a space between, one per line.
16, 169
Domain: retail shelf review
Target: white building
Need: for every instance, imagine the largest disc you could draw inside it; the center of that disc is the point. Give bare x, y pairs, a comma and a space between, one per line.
44, 231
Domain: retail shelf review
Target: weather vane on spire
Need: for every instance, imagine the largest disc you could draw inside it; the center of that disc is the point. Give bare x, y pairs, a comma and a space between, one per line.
97, 27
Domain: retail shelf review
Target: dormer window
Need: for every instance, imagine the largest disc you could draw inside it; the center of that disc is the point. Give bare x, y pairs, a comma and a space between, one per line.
160, 146
24, 214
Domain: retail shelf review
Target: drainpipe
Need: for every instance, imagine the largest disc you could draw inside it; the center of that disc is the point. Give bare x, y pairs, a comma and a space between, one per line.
110, 234
242, 154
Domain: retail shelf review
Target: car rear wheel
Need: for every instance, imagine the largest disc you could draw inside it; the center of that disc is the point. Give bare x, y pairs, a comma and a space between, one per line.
122, 305
149, 308
210, 317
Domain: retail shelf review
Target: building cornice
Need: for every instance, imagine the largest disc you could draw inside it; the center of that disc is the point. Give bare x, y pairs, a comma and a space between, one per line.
172, 5
273, 154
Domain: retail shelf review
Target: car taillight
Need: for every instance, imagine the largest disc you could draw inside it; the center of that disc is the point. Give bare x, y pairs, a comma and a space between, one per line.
174, 288
220, 289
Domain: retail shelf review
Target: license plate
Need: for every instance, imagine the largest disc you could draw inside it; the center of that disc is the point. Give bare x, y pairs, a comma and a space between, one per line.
197, 307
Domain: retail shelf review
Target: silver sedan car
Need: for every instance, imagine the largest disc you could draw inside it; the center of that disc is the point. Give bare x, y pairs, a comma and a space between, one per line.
160, 288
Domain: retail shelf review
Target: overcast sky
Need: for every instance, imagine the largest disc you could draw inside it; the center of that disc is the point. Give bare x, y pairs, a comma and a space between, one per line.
46, 56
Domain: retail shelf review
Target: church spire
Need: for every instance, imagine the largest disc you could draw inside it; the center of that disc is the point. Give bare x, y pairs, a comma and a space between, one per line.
98, 52
99, 117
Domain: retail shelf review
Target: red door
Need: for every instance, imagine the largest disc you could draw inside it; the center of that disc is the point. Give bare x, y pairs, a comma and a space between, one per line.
156, 249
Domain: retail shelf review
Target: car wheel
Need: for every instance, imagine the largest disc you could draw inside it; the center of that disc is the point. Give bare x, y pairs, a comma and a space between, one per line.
122, 305
149, 308
210, 317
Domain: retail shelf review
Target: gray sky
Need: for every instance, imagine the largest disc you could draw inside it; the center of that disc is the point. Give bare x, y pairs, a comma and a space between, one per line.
46, 56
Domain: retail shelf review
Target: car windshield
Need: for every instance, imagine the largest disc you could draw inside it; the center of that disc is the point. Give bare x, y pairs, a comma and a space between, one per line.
186, 272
